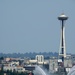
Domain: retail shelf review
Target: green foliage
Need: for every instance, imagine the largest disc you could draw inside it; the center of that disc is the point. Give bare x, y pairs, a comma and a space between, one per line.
1, 58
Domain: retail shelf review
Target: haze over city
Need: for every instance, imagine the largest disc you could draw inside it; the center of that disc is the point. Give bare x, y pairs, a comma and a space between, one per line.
32, 25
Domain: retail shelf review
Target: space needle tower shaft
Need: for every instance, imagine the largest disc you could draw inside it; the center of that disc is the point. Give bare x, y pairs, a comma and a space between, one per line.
62, 54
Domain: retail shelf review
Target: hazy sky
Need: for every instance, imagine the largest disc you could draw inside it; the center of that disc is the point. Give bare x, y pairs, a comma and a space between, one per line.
32, 25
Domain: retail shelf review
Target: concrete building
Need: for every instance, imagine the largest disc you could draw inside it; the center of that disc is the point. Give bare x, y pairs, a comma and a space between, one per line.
14, 68
55, 63
16, 63
39, 58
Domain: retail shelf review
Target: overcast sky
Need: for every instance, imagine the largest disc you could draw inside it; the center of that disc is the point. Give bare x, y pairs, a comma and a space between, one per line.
32, 25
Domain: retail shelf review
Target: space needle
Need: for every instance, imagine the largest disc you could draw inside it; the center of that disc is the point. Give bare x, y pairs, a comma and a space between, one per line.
62, 51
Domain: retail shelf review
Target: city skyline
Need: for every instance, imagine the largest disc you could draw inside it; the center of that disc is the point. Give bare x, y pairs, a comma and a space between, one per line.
32, 25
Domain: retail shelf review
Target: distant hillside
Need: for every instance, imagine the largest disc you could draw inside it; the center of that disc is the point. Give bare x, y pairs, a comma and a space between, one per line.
30, 54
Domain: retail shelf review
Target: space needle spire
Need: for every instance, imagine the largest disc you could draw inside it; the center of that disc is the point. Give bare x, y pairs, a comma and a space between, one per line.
62, 51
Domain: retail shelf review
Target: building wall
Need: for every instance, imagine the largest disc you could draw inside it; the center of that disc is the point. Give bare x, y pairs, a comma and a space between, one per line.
39, 58
12, 68
53, 64
14, 63
68, 62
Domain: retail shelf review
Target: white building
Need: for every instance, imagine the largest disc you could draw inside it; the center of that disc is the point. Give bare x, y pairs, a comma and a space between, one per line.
53, 64
14, 68
39, 58
16, 63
